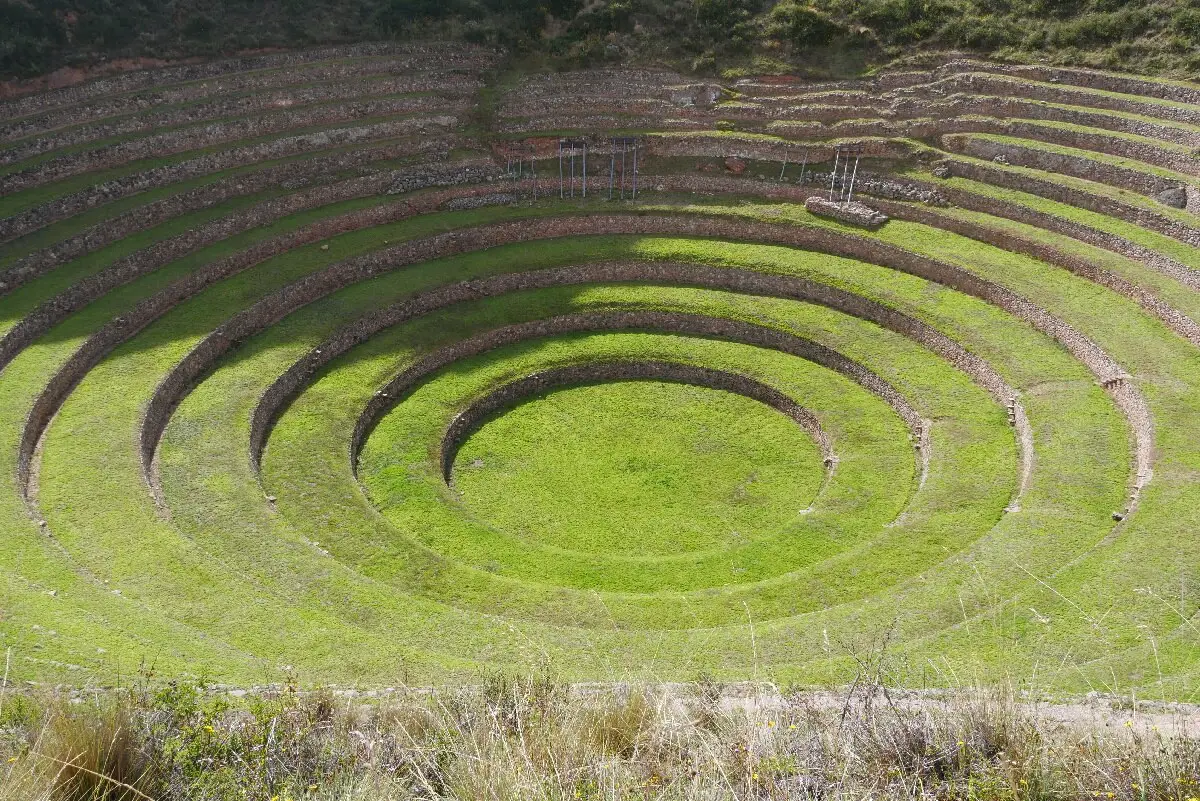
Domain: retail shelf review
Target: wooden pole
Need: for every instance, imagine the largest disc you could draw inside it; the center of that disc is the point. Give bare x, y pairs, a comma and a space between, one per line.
850, 195
612, 171
624, 149
635, 149
833, 178
845, 175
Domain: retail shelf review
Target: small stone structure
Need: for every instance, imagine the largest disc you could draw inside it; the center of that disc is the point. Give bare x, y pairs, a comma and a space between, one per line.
852, 212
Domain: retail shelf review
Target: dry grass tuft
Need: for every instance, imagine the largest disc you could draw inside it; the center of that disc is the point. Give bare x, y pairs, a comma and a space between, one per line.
541, 740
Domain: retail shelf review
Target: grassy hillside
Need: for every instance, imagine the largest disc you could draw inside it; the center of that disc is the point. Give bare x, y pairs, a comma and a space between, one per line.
825, 36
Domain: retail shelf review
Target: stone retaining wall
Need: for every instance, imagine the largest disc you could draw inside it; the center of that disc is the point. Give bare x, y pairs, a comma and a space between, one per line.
1014, 110
286, 300
643, 320
760, 88
1063, 94
122, 328
1091, 79
1174, 319
281, 303
204, 132
290, 175
1088, 169
308, 169
80, 293
851, 212
156, 117
519, 107
299, 375
597, 126
149, 148
1063, 193
469, 420
1187, 275
269, 310
583, 84
695, 146
263, 72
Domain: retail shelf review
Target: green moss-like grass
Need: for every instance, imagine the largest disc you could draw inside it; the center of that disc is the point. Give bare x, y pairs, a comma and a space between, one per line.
639, 468
625, 530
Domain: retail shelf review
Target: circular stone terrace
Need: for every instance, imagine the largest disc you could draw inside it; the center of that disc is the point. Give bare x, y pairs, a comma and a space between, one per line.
651, 377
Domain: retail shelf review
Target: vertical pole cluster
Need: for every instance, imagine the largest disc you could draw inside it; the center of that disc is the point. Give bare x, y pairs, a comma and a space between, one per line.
837, 154
842, 154
517, 154
571, 148
850, 193
803, 165
629, 147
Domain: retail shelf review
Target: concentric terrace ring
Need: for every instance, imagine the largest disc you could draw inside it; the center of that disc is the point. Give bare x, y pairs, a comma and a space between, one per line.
319, 376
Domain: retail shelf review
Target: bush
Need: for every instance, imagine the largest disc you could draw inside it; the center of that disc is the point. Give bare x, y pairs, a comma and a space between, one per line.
1095, 29
984, 33
725, 18
802, 26
540, 740
597, 20
398, 15
1186, 22
28, 39
903, 21
37, 36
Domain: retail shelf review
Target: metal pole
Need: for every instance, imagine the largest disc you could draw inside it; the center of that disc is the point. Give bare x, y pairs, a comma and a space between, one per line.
833, 178
571, 182
850, 195
783, 169
624, 148
803, 164
560, 173
585, 169
845, 175
612, 171
533, 172
635, 148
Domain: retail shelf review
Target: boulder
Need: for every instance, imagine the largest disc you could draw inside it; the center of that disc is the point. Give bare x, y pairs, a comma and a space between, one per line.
1175, 197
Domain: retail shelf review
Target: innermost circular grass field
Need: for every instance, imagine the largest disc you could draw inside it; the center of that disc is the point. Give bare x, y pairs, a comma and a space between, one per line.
639, 468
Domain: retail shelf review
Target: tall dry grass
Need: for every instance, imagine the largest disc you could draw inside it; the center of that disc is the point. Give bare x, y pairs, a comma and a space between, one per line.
534, 739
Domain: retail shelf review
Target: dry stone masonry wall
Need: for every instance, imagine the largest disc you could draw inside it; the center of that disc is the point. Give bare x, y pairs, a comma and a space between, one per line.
509, 394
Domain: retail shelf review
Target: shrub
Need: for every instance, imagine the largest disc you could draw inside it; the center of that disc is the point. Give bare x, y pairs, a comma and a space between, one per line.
539, 740
802, 26
99, 756
1094, 29
1186, 21
398, 15
904, 20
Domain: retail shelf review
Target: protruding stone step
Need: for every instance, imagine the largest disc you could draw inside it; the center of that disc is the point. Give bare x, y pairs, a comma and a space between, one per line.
853, 212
